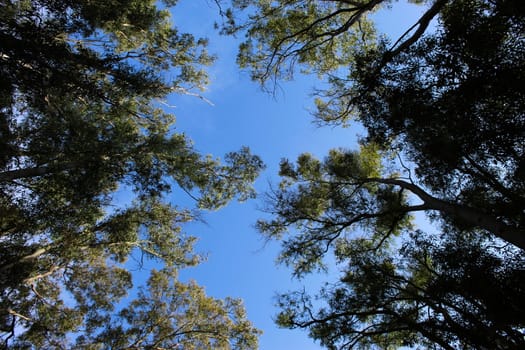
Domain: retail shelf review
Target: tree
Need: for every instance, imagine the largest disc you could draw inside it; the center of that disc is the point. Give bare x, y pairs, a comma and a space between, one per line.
82, 86
174, 315
451, 101
399, 286
439, 293
445, 117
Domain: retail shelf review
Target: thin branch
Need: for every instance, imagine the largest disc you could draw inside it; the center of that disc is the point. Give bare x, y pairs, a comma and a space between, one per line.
181, 90
42, 275
359, 11
14, 313
407, 169
422, 24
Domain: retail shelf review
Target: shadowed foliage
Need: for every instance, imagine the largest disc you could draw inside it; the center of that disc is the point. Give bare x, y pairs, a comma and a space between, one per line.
443, 105
82, 84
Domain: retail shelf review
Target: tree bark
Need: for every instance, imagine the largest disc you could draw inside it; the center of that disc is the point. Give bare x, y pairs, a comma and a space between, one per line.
471, 216
11, 175
26, 258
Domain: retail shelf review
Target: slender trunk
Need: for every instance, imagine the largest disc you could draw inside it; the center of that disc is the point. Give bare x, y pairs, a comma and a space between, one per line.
11, 175
479, 219
471, 216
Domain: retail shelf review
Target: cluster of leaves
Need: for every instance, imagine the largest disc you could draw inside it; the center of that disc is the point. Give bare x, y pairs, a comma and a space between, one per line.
327, 201
448, 292
81, 86
450, 101
169, 314
282, 34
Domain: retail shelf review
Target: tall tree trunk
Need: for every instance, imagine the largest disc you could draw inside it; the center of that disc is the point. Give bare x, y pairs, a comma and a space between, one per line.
468, 215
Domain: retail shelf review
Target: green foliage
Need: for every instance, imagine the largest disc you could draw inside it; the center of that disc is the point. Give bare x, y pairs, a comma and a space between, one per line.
447, 102
81, 86
327, 201
170, 314
451, 101
447, 292
318, 35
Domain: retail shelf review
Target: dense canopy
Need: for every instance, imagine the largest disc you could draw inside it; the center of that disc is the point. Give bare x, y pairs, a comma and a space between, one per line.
443, 105
82, 84
450, 101
90, 161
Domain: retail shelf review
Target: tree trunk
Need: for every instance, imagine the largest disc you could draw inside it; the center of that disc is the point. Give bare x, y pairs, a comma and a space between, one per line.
11, 175
470, 216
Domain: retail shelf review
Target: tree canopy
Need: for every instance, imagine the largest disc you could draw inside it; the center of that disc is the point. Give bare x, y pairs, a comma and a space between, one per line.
82, 90
82, 85
444, 110
448, 292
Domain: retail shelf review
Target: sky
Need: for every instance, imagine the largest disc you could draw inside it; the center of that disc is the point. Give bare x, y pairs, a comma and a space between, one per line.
240, 263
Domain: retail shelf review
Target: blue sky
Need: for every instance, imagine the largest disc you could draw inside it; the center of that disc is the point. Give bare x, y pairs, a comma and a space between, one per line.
239, 263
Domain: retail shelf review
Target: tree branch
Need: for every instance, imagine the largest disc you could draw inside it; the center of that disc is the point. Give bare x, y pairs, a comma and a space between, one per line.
469, 215
422, 24
26, 258
11, 175
14, 313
